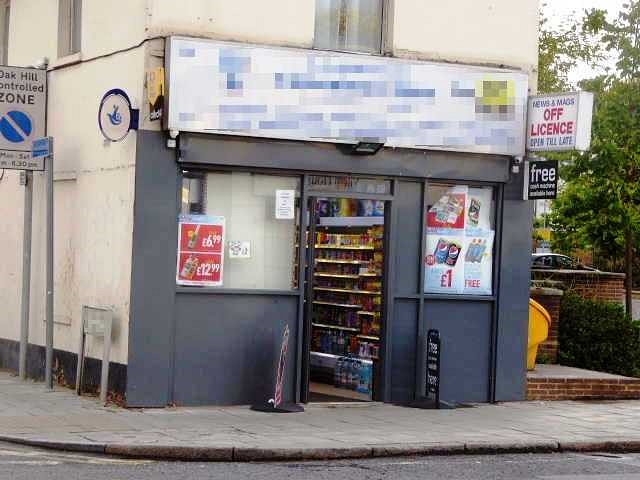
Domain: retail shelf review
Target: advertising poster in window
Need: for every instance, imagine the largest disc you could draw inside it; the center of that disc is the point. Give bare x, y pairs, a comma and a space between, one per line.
449, 213
459, 257
444, 268
200, 251
478, 260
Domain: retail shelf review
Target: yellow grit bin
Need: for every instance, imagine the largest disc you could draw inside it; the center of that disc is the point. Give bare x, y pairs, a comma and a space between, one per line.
539, 323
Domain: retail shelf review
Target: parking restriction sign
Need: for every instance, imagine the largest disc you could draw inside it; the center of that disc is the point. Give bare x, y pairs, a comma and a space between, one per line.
23, 94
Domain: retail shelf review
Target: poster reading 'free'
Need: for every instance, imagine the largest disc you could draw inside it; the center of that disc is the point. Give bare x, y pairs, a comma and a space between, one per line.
200, 251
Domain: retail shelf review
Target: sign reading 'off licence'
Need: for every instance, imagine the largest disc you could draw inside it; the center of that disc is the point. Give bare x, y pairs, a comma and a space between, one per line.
559, 122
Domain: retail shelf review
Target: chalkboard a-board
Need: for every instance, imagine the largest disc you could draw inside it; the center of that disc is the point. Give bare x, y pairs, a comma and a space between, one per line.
433, 365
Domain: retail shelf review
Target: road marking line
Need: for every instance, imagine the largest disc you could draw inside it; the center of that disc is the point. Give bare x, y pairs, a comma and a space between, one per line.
30, 462
70, 457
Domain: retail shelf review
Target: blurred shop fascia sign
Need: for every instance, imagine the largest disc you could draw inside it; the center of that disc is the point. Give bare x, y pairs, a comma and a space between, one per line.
559, 122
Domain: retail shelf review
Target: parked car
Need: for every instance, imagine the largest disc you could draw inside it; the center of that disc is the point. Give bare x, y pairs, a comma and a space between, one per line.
556, 261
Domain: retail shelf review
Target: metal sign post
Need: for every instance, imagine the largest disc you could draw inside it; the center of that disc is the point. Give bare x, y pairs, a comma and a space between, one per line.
22, 118
39, 153
49, 312
26, 272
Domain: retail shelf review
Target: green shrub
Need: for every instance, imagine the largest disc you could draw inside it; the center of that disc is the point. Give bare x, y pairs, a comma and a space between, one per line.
598, 336
543, 359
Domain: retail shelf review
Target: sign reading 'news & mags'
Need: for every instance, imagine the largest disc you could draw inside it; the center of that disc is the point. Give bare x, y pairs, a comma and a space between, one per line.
559, 122
200, 251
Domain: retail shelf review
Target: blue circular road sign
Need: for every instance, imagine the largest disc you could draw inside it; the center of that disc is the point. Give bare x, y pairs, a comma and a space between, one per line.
16, 126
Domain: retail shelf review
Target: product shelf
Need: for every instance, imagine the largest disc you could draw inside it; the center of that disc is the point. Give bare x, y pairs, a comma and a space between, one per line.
324, 389
344, 305
345, 247
365, 312
350, 221
336, 275
328, 360
335, 327
346, 290
335, 260
368, 337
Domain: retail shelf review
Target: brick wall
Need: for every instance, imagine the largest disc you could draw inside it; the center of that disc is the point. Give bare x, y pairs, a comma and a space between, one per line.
582, 389
605, 286
550, 299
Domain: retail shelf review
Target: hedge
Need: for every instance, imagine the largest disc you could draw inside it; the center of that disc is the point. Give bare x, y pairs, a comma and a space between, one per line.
598, 336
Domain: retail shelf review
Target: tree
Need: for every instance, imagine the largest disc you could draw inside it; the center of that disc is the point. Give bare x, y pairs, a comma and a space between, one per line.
600, 204
560, 50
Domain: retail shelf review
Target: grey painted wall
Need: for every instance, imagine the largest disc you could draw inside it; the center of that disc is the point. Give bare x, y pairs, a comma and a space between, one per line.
323, 157
513, 296
404, 328
155, 227
407, 209
465, 333
220, 348
227, 347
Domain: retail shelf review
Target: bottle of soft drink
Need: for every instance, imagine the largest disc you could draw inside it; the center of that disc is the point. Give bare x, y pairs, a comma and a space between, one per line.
350, 373
344, 374
365, 379
337, 373
471, 252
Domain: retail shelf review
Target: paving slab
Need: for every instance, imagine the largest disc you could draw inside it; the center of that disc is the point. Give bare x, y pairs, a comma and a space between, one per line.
61, 420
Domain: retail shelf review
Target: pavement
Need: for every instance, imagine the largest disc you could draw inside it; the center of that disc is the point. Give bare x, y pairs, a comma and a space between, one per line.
554, 371
31, 415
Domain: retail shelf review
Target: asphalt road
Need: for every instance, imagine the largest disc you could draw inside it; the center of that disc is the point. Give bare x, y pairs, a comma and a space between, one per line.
18, 463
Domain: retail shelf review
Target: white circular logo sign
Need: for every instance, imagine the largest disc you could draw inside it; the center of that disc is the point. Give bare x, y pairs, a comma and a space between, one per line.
114, 115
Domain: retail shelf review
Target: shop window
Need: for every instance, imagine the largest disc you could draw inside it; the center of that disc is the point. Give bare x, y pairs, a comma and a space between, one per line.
69, 27
349, 25
239, 230
460, 236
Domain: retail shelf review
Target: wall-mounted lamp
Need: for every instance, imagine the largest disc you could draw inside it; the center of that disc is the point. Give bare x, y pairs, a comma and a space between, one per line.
515, 164
366, 148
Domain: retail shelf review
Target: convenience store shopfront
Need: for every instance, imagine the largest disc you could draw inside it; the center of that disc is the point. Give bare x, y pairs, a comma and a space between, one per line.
359, 255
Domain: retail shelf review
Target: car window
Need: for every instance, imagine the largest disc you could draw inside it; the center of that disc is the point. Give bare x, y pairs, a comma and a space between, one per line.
544, 261
564, 262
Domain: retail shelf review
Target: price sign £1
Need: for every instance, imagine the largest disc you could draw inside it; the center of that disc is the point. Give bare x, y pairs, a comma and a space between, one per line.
200, 251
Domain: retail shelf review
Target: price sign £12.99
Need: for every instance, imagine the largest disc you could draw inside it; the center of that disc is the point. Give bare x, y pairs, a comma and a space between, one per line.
200, 251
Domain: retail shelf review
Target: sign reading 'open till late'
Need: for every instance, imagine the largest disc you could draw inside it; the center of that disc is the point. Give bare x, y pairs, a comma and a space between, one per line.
559, 122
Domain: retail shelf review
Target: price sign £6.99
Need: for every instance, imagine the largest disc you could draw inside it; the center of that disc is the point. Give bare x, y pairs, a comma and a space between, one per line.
200, 251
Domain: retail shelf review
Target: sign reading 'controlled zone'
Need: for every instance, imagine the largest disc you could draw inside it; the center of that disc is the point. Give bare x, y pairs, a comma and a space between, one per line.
541, 179
22, 105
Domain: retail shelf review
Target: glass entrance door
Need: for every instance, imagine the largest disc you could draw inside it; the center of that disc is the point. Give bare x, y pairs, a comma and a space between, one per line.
344, 298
